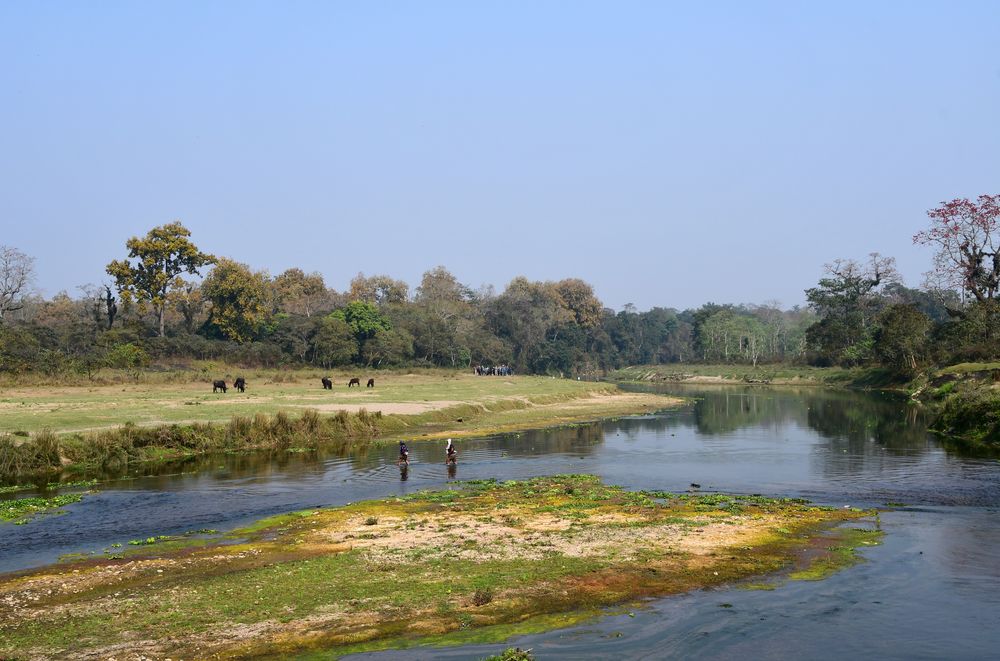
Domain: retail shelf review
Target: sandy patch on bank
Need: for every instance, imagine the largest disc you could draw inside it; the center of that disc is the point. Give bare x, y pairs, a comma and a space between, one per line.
615, 398
387, 408
516, 536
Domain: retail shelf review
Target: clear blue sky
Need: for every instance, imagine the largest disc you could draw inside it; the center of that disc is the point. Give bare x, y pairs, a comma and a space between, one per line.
668, 153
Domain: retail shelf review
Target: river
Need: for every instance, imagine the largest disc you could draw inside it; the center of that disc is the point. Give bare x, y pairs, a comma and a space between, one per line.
931, 590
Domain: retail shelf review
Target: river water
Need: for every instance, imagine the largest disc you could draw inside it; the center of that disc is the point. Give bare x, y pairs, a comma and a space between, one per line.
931, 590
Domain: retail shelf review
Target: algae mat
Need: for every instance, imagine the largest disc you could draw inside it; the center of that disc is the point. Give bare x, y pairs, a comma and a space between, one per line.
484, 556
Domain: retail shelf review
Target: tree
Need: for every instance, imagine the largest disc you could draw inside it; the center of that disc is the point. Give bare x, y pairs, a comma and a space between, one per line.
162, 256
967, 237
187, 299
110, 306
334, 342
729, 336
702, 340
439, 285
528, 314
378, 289
442, 318
239, 297
16, 273
578, 297
847, 302
298, 293
901, 338
389, 347
970, 337
364, 319
129, 358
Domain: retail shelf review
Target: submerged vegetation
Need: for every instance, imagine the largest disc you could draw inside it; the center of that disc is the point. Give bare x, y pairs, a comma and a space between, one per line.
478, 562
21, 510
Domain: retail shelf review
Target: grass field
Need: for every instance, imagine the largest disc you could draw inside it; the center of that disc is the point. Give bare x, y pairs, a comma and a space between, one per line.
475, 563
82, 409
47, 429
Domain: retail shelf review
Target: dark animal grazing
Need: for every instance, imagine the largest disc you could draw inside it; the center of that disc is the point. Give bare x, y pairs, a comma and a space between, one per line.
354, 382
240, 384
327, 383
218, 385
371, 383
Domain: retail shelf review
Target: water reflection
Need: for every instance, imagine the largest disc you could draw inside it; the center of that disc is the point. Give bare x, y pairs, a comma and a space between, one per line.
889, 420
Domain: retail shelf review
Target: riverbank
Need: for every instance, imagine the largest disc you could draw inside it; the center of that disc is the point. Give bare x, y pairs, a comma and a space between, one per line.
76, 430
476, 563
772, 375
964, 399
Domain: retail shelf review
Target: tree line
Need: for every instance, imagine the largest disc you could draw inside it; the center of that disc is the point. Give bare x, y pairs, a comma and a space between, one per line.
166, 302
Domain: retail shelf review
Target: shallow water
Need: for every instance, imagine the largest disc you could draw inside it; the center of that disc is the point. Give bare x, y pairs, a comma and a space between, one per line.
932, 590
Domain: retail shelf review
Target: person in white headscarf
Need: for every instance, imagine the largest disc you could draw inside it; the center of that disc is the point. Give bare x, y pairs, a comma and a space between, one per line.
451, 456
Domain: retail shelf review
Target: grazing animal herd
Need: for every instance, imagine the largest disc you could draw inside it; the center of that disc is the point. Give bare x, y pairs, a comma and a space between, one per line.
241, 384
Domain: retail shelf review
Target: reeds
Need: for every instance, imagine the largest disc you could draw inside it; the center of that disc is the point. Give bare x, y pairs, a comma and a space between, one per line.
118, 449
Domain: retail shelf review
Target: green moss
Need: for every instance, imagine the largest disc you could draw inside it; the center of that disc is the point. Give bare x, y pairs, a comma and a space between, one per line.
22, 510
304, 566
475, 636
843, 552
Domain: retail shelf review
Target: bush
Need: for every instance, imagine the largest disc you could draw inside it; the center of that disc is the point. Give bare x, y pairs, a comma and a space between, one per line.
114, 450
972, 413
482, 596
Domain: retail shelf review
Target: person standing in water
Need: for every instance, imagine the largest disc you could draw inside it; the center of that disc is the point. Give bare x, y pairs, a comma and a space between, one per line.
404, 454
451, 455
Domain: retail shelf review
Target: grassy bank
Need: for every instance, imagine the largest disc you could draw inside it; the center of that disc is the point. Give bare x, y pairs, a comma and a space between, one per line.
966, 398
473, 564
117, 428
776, 375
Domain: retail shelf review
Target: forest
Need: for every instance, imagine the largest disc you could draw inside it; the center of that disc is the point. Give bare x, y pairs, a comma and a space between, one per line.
165, 303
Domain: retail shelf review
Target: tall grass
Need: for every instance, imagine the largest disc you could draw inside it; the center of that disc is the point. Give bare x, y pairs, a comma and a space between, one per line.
130, 446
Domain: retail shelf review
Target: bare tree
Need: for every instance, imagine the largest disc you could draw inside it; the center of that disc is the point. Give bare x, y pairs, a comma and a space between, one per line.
966, 234
16, 273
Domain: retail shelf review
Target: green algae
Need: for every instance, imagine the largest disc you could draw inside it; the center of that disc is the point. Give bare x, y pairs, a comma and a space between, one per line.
842, 553
321, 580
23, 510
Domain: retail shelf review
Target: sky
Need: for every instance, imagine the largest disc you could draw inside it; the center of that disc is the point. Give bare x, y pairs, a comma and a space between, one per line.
668, 153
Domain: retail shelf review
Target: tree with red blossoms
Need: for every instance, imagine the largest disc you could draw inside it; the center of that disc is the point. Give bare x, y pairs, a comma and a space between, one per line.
967, 236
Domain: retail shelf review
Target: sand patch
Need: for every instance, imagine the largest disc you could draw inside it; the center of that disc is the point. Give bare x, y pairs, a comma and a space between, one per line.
387, 408
533, 536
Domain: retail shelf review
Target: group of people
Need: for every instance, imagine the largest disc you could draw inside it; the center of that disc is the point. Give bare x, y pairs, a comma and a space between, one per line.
494, 370
450, 454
